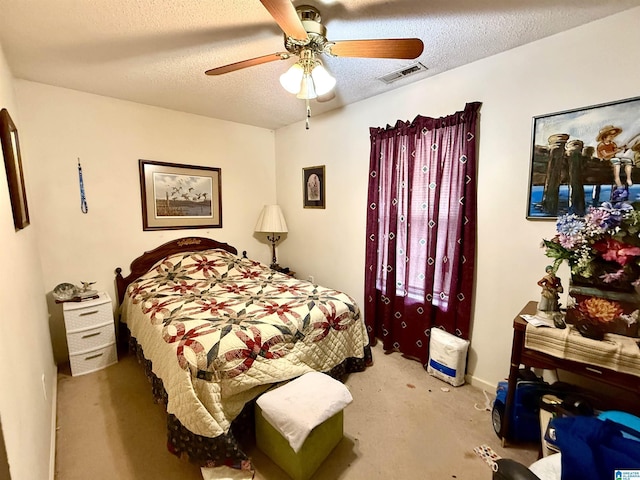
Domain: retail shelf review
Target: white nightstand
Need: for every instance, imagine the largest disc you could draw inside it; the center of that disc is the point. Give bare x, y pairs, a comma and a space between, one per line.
91, 334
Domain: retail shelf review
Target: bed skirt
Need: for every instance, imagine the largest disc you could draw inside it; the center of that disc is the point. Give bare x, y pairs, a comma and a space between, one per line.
223, 450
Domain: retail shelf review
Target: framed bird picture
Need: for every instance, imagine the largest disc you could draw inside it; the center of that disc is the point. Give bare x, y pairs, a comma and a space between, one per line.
178, 196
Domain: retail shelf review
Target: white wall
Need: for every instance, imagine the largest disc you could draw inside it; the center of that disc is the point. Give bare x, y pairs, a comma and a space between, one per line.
562, 72
110, 136
27, 371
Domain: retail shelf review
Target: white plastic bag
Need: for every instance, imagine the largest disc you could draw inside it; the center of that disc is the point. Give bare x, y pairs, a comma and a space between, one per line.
447, 357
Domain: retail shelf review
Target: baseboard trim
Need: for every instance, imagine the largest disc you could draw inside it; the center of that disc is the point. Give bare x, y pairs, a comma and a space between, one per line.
482, 384
54, 425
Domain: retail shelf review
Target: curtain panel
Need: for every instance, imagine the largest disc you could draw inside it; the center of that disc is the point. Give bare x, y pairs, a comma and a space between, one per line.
421, 230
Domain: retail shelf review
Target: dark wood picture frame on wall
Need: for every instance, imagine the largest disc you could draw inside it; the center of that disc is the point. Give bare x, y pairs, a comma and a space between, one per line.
176, 196
583, 157
313, 191
13, 167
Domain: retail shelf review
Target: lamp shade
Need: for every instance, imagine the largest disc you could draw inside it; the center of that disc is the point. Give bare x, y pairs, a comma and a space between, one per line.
307, 88
291, 79
307, 78
322, 80
271, 220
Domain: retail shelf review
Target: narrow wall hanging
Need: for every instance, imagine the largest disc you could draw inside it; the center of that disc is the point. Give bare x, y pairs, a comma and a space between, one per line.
83, 198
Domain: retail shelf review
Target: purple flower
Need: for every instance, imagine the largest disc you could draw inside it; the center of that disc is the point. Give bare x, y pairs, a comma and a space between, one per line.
612, 277
616, 212
570, 224
619, 195
597, 217
568, 241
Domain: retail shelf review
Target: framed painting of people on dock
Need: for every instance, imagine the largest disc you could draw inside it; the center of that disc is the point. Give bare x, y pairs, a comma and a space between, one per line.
584, 157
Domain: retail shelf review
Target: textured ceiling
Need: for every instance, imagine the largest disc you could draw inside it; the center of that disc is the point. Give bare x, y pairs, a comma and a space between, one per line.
155, 52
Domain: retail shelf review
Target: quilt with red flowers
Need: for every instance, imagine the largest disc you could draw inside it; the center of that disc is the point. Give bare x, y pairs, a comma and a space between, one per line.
219, 330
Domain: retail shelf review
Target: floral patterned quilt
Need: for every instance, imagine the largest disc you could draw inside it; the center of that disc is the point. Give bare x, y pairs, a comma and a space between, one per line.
219, 330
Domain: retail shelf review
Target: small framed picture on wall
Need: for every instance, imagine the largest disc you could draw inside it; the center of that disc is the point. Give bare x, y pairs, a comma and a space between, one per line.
313, 179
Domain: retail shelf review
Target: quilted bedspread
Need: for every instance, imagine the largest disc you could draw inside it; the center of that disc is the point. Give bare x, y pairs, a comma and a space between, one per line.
219, 330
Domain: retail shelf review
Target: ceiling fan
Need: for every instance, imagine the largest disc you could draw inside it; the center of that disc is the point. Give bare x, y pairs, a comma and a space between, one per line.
305, 37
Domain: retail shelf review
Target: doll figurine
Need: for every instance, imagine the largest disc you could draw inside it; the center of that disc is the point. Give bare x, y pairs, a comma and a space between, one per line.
551, 290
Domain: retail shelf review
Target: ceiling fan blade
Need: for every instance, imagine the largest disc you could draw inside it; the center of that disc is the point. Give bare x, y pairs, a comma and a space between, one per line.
405, 48
285, 15
232, 67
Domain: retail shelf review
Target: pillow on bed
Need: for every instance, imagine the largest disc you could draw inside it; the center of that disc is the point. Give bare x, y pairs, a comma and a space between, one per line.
197, 265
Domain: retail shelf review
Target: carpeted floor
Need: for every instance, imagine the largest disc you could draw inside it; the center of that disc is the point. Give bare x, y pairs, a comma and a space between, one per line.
402, 424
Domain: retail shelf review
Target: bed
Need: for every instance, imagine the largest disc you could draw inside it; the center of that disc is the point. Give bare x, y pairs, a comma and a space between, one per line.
215, 330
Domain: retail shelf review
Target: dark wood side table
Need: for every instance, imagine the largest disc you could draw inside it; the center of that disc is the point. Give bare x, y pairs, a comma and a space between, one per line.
534, 359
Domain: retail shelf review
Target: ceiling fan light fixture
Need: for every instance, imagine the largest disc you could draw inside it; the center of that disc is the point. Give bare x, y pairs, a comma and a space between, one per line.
322, 79
292, 78
307, 79
307, 89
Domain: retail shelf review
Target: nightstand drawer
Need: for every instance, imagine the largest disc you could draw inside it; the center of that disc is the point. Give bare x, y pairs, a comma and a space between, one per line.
95, 360
85, 340
83, 315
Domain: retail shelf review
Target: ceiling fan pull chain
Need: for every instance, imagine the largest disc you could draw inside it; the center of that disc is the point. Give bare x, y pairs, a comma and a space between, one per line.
308, 115
83, 199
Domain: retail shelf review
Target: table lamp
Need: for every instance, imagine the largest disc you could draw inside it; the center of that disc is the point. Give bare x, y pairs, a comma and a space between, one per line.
271, 220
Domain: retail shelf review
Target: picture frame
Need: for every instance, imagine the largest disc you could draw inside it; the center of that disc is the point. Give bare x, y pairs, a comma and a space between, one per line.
313, 187
13, 168
176, 196
583, 157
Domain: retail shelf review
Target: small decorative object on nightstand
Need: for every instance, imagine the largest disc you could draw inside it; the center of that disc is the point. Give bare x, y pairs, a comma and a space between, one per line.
68, 292
285, 270
91, 334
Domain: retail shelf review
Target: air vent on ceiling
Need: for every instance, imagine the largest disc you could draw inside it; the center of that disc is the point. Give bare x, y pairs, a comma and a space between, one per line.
405, 72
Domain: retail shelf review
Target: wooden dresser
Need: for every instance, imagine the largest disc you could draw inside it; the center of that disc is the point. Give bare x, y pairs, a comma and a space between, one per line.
523, 356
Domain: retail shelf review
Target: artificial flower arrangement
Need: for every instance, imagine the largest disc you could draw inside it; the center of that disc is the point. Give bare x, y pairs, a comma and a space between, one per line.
602, 250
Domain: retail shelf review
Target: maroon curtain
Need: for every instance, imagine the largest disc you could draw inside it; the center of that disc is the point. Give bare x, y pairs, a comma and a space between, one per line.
421, 230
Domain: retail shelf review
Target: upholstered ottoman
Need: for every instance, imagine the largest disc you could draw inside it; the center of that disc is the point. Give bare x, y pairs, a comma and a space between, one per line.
300, 423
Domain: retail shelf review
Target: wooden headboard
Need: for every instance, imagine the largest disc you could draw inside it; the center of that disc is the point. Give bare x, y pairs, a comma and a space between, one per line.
144, 262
